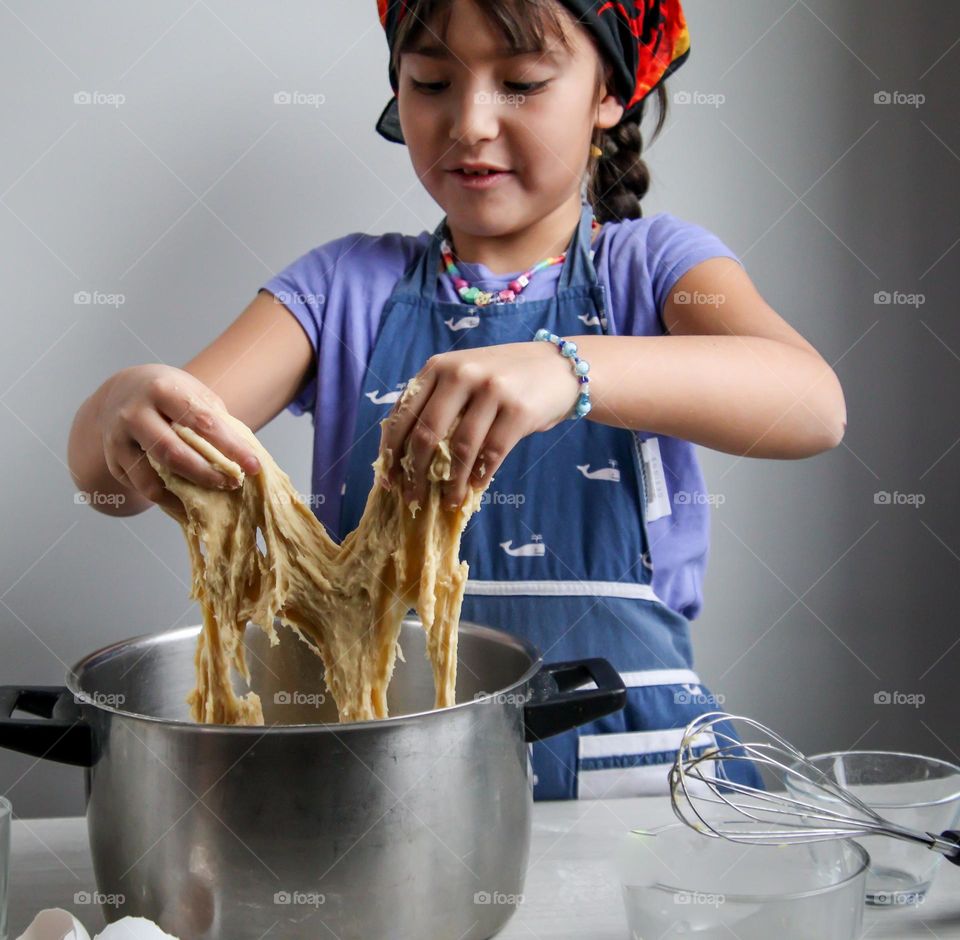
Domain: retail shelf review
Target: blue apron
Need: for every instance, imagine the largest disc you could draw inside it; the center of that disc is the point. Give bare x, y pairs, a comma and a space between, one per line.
558, 552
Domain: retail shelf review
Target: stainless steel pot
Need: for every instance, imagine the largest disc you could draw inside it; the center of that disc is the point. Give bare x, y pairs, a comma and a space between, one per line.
416, 826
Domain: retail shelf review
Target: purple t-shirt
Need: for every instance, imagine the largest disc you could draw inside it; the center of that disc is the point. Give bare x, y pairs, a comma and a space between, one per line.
337, 291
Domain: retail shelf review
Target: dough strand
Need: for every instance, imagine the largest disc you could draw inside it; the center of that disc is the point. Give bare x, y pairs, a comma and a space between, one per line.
345, 601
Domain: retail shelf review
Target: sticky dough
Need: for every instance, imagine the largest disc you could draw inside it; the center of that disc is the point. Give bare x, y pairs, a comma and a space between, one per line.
345, 601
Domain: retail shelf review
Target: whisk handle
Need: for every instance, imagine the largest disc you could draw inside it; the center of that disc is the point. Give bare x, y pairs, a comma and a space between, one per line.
952, 835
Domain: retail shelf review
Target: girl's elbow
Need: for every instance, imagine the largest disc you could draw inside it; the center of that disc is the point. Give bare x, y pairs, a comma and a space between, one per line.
833, 420
822, 418
834, 433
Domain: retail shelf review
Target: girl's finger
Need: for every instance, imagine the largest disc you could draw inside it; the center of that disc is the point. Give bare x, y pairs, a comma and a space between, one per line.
141, 475
501, 439
432, 426
397, 424
474, 428
157, 438
205, 418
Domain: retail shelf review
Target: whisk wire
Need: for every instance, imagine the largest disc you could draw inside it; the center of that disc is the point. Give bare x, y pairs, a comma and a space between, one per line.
699, 776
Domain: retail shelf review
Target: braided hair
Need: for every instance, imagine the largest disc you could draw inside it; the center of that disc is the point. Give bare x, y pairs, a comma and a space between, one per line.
619, 178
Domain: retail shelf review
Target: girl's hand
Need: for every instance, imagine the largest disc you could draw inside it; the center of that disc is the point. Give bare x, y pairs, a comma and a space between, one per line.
137, 410
504, 393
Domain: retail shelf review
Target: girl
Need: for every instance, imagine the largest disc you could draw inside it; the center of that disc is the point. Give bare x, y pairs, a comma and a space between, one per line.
553, 321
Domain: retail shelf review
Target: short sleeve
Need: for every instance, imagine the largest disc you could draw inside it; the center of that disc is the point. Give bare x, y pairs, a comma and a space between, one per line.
674, 246
306, 396
303, 287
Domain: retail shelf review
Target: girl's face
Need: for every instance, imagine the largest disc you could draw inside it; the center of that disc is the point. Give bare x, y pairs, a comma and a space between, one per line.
467, 99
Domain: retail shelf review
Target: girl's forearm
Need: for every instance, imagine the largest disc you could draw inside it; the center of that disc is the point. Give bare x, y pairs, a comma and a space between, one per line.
739, 394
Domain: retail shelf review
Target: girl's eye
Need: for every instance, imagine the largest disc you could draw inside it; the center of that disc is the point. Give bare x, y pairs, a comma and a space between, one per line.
428, 88
525, 87
433, 88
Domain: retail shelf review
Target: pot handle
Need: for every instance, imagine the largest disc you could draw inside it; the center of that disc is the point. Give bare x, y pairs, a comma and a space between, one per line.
59, 733
554, 707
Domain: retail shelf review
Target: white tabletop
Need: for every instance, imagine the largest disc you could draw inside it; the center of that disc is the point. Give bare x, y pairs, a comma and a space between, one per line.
571, 890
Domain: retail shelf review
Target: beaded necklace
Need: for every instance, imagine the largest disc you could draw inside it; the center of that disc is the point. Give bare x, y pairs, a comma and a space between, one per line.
480, 298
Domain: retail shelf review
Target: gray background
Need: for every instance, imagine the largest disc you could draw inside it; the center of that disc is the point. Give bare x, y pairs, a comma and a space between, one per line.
198, 187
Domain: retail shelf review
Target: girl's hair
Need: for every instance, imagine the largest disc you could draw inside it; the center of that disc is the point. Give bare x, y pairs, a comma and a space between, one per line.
617, 181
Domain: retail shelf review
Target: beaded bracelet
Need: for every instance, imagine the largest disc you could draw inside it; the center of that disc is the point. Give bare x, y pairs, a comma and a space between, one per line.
581, 367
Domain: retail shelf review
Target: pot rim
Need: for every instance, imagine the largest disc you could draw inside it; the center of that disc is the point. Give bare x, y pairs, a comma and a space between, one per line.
169, 636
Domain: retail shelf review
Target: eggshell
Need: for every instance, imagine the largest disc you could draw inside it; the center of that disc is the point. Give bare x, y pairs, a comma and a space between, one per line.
58, 924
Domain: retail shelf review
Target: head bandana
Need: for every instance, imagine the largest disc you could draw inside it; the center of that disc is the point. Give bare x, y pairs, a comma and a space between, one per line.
643, 40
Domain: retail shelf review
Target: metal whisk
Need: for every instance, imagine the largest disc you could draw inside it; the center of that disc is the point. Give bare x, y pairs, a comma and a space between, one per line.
779, 816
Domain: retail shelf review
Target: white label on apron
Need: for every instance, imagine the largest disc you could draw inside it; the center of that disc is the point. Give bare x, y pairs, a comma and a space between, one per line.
658, 499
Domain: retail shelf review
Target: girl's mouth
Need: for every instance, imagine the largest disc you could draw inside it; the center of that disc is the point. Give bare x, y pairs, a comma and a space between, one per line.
480, 180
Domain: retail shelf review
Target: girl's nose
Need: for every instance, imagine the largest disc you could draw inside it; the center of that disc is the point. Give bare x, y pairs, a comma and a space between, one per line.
477, 117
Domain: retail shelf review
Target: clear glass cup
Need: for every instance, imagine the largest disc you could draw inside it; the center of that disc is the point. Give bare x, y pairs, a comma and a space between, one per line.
919, 792
6, 814
677, 883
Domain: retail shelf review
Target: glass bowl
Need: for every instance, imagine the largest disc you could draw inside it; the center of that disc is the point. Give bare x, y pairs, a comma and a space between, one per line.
918, 792
678, 882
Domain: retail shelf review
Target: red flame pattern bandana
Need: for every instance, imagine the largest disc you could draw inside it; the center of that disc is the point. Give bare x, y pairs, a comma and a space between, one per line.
643, 41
